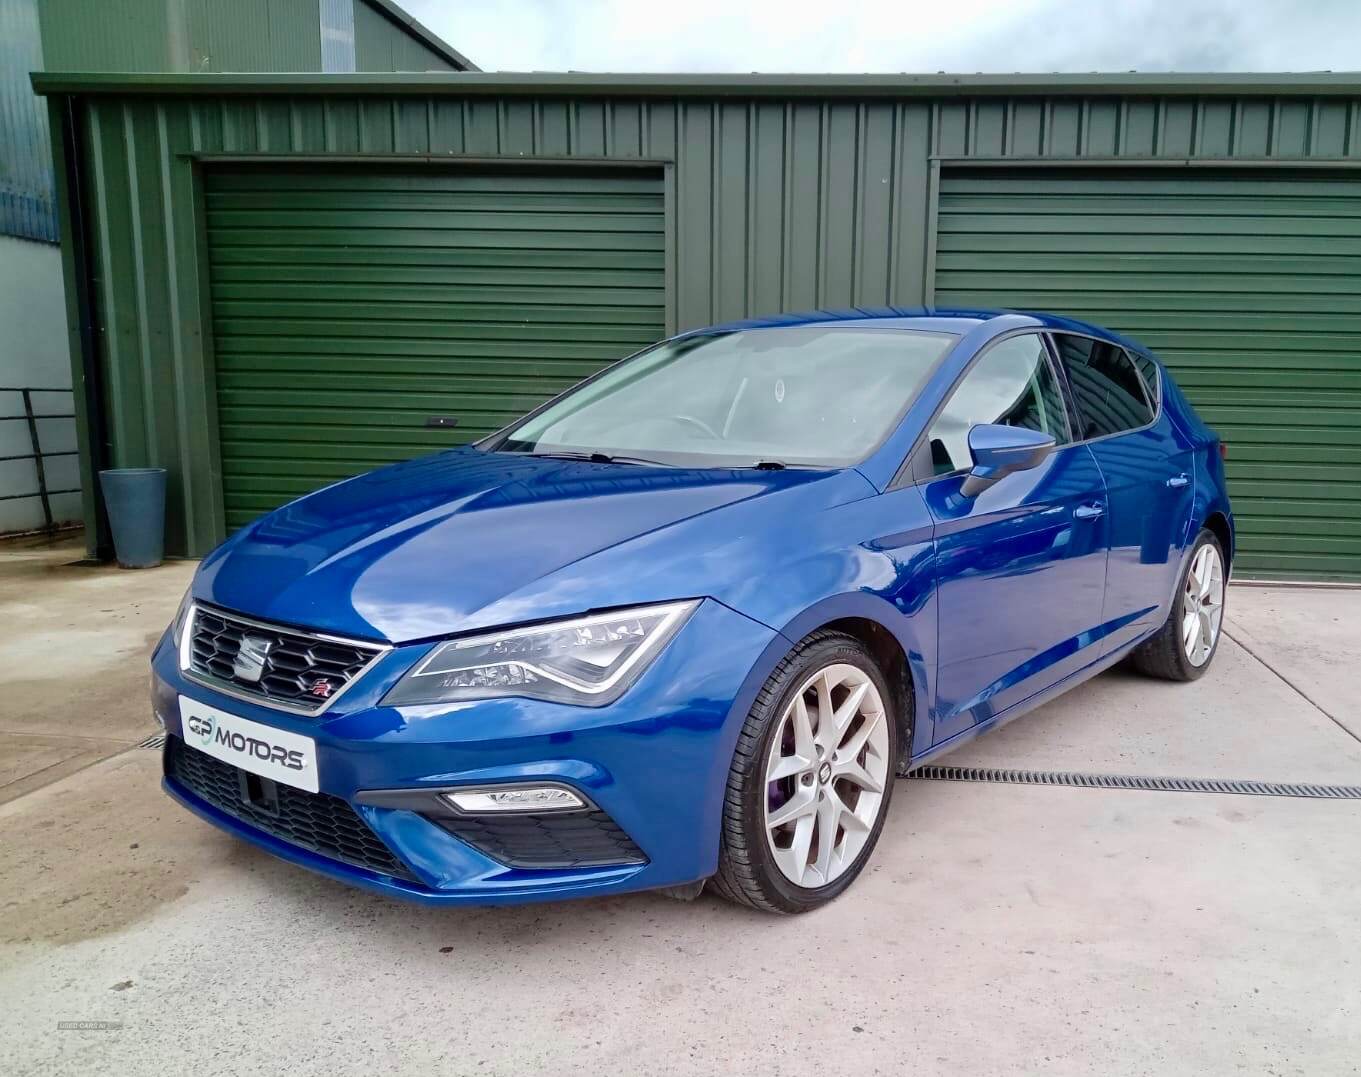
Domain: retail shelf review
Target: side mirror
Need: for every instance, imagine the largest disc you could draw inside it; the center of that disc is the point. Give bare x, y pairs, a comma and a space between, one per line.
998, 451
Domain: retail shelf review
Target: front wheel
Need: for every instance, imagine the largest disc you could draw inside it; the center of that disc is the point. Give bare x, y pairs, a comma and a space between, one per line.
811, 779
1184, 646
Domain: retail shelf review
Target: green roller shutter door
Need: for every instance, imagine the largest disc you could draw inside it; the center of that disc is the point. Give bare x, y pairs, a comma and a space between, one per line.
351, 305
1249, 286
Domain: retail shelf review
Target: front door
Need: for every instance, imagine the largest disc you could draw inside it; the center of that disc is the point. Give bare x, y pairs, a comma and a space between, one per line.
1021, 567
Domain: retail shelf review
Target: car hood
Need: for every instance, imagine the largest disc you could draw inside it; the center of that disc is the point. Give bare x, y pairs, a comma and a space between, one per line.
466, 539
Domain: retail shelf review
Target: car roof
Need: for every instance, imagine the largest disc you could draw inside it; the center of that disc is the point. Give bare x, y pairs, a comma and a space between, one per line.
923, 319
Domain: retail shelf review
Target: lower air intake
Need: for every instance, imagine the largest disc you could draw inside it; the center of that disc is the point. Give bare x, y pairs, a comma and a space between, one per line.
315, 821
549, 840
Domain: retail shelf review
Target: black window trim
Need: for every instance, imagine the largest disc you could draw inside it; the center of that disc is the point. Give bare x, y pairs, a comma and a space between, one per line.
1076, 414
906, 473
1157, 387
1065, 386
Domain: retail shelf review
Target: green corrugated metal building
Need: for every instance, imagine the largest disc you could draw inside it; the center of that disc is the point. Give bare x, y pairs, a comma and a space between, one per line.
130, 36
203, 36
275, 280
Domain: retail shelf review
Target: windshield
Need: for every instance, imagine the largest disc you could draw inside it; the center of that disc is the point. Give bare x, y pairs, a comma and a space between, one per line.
811, 396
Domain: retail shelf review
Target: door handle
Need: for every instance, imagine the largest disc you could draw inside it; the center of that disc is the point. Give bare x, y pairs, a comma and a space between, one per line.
1176, 482
1089, 512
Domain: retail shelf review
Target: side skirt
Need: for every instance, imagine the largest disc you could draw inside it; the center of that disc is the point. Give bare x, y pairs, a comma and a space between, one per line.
1028, 704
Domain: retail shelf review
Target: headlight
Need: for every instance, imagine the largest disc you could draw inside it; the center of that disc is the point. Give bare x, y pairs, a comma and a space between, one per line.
587, 660
181, 615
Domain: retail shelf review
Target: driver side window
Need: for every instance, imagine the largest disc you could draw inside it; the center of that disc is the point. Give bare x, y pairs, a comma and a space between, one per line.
1012, 384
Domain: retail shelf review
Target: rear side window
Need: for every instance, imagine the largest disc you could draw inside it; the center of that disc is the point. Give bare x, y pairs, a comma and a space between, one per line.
1012, 384
1110, 393
1148, 369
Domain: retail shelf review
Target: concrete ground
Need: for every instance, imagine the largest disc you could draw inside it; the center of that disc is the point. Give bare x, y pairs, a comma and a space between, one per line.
74, 641
1000, 929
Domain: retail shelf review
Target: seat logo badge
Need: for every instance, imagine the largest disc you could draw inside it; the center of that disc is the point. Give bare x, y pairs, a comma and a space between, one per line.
249, 663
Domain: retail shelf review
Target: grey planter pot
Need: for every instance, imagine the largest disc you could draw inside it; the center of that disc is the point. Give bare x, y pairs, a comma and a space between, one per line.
135, 500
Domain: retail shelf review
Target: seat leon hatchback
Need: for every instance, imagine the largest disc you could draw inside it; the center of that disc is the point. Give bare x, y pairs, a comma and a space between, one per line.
688, 621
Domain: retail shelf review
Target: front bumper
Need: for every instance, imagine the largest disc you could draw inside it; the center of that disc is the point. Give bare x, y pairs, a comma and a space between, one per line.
652, 765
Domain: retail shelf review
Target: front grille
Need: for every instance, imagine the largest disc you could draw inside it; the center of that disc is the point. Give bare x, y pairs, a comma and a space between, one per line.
550, 840
316, 821
291, 669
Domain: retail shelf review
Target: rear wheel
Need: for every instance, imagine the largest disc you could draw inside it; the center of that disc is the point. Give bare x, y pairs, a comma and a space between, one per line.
1184, 646
811, 779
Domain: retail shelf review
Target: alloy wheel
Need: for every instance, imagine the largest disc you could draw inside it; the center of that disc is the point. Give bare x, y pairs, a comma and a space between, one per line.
1202, 605
825, 775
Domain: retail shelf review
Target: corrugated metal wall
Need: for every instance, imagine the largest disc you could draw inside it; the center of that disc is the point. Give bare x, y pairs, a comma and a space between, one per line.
211, 36
114, 35
380, 46
253, 35
26, 207
776, 205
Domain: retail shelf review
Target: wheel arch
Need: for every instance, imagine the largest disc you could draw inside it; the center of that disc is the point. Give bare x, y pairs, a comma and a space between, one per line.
891, 638
1217, 523
892, 660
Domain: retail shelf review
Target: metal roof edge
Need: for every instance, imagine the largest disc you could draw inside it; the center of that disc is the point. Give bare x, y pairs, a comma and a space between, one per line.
422, 33
554, 83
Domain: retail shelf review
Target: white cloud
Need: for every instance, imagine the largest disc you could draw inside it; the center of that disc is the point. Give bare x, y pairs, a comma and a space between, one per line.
906, 35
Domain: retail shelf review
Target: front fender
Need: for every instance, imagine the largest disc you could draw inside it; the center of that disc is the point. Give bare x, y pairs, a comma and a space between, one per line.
874, 562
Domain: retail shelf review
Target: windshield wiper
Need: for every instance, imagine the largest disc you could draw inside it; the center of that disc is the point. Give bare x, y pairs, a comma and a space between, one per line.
598, 458
567, 454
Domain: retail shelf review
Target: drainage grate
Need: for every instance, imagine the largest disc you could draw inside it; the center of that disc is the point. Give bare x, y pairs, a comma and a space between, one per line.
1136, 781
156, 741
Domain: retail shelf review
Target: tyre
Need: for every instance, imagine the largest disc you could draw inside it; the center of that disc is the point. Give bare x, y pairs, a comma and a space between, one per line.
1184, 646
811, 779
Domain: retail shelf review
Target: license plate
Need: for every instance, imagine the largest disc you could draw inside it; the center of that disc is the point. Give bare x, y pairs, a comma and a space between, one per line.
261, 749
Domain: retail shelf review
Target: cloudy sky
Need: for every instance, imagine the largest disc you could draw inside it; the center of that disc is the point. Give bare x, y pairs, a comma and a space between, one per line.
900, 35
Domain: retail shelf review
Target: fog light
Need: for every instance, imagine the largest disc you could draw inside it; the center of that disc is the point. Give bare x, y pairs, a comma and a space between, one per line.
515, 798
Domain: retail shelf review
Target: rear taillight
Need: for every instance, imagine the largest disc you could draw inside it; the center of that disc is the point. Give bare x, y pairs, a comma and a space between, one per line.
1223, 450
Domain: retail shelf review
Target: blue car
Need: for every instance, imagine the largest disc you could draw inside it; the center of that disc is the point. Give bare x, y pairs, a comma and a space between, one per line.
686, 623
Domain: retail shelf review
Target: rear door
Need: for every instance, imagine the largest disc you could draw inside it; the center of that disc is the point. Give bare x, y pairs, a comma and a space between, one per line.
1146, 463
1021, 568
